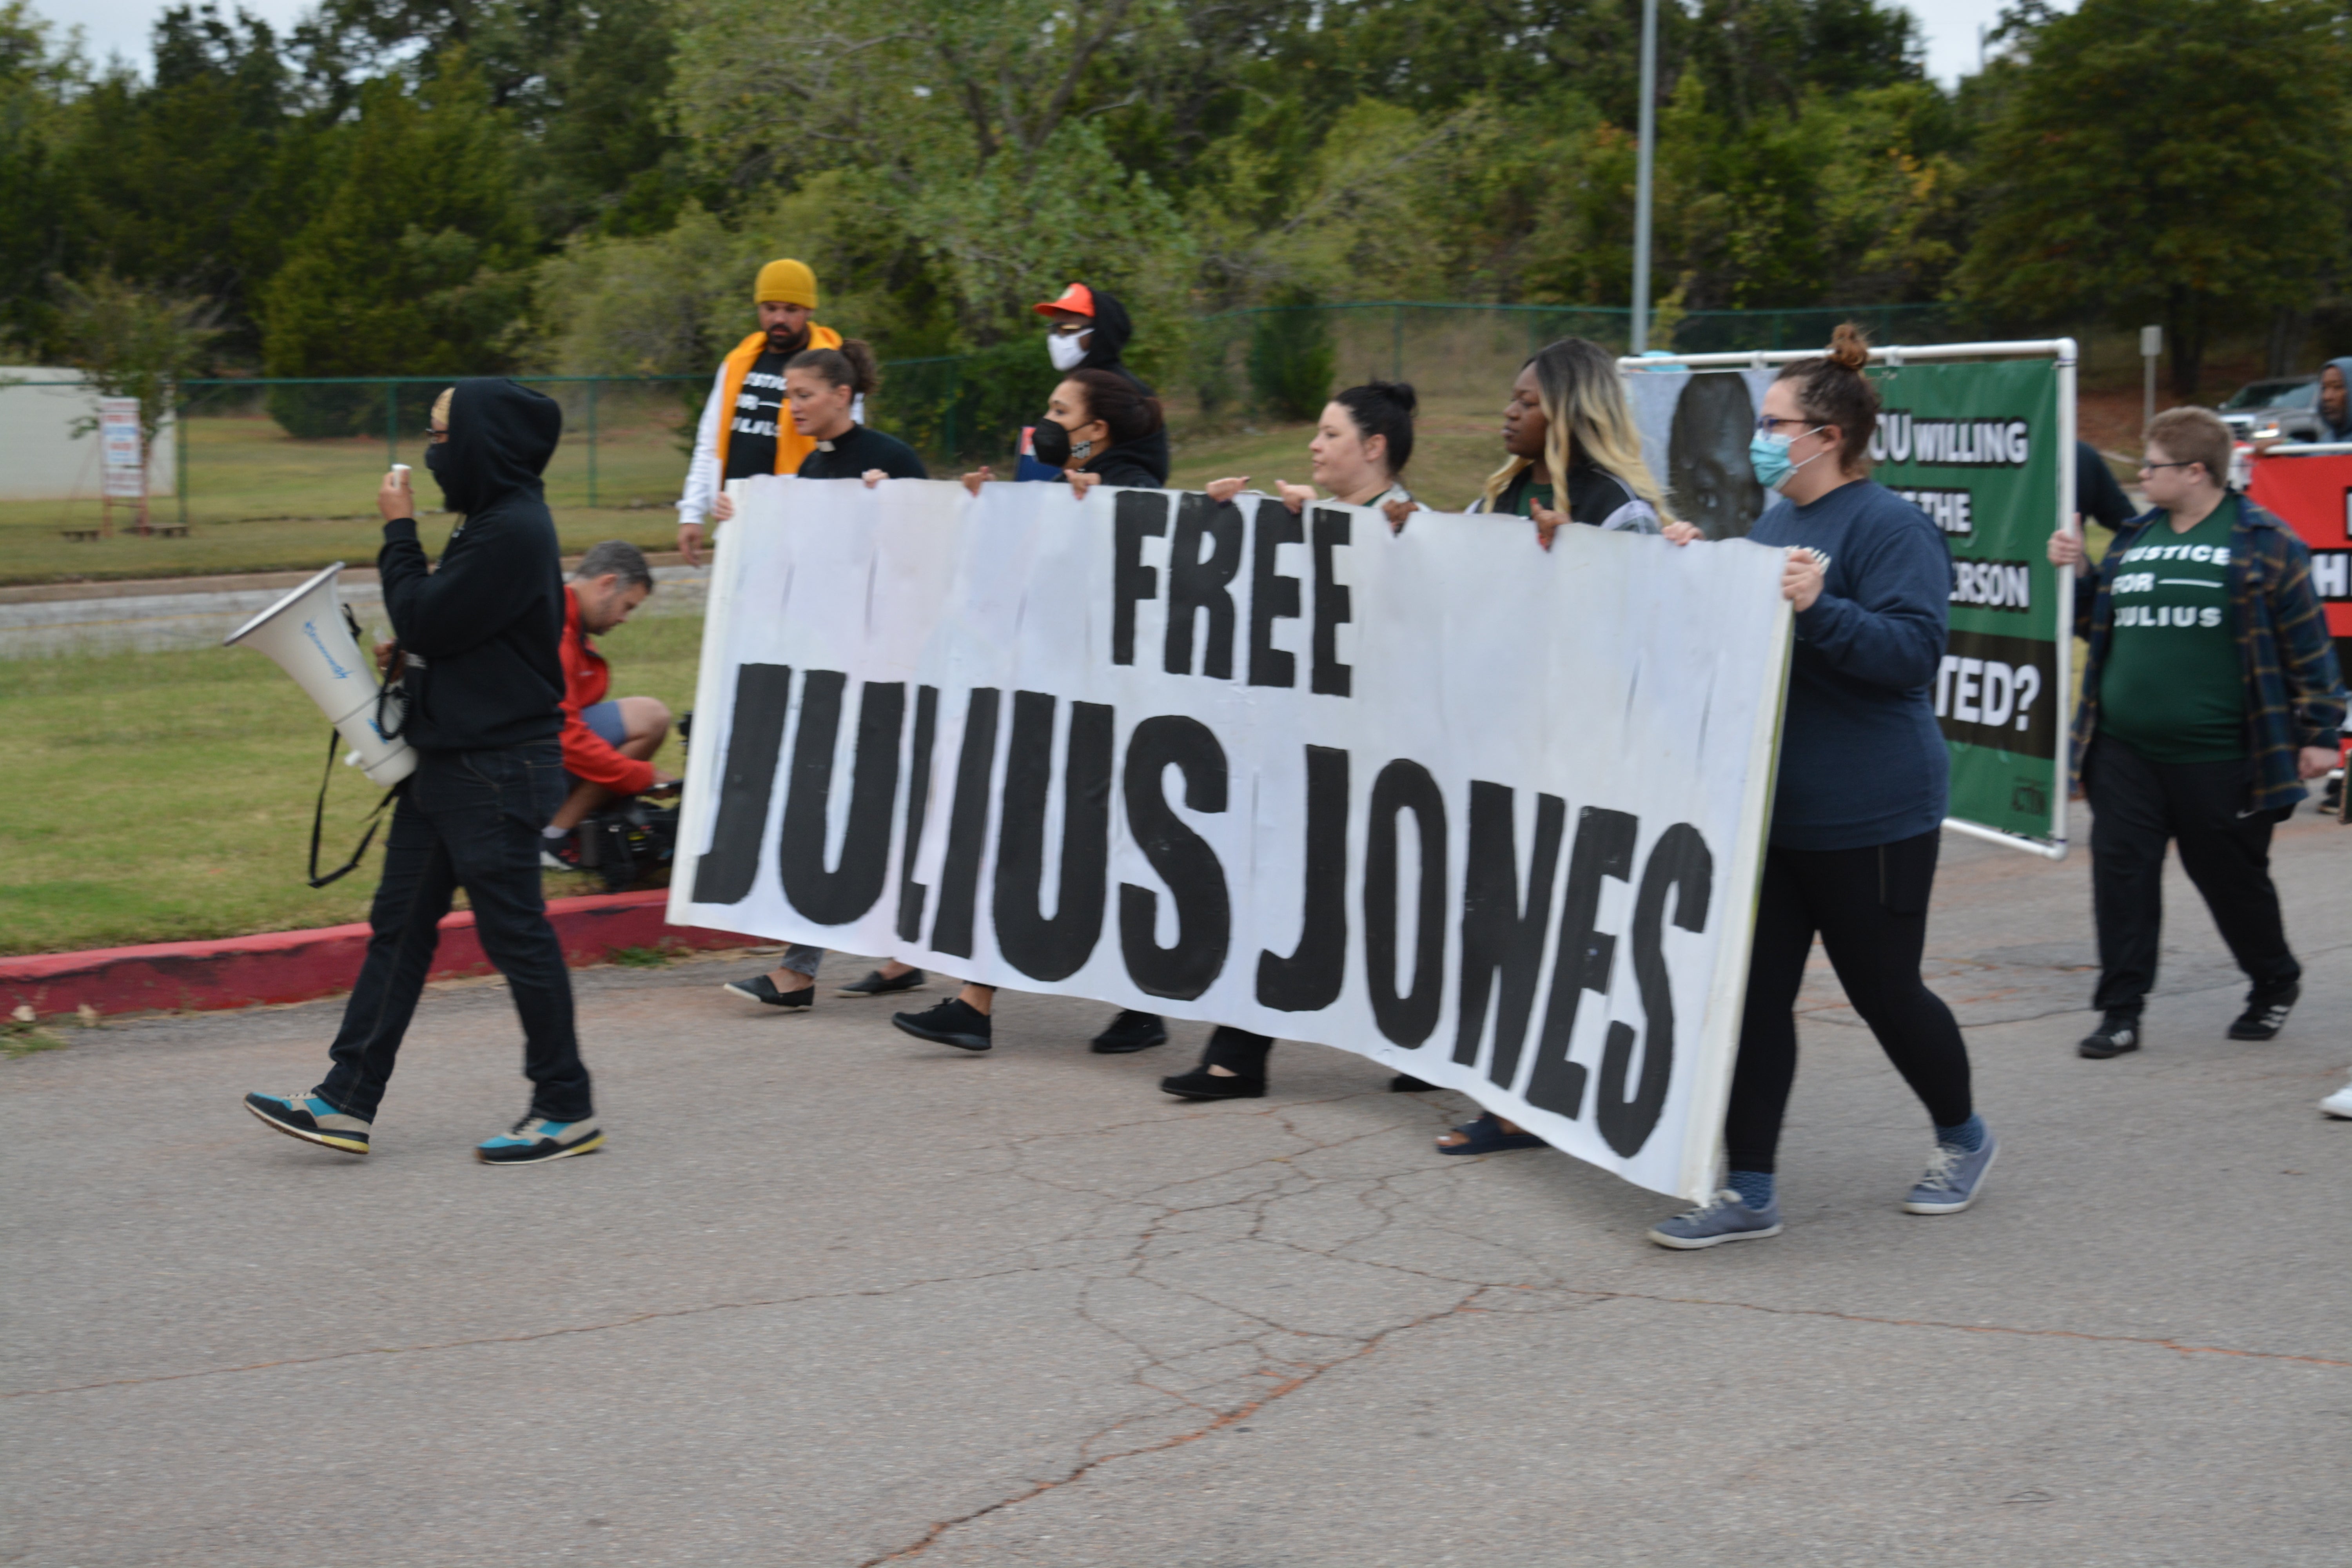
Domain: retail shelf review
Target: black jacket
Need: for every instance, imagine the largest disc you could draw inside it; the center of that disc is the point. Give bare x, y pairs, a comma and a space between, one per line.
1124, 466
849, 457
1112, 329
488, 622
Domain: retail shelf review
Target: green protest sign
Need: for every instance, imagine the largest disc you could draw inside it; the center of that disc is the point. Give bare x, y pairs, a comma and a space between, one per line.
1986, 449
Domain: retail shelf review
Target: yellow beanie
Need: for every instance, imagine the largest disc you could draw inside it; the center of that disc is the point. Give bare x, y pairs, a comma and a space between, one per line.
786, 282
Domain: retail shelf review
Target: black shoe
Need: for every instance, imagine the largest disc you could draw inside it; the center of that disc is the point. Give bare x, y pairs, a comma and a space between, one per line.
954, 1022
1405, 1083
759, 988
2116, 1033
877, 984
2265, 1016
1202, 1084
1131, 1031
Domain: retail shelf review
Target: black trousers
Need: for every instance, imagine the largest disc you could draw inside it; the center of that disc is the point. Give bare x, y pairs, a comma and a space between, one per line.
467, 819
1870, 908
2137, 807
1237, 1051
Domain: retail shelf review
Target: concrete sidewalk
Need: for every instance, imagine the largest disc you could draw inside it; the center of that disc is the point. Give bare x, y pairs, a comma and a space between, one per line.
834, 1297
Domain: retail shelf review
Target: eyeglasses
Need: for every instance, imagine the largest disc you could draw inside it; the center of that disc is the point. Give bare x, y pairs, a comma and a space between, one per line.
1766, 424
436, 433
2151, 468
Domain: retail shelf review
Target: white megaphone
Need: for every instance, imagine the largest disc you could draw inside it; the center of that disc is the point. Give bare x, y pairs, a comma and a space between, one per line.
306, 633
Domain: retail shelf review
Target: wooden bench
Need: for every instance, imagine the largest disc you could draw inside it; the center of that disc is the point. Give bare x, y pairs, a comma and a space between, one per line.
173, 529
78, 533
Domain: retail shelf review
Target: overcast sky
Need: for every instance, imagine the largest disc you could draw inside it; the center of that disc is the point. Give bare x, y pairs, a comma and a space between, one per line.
120, 27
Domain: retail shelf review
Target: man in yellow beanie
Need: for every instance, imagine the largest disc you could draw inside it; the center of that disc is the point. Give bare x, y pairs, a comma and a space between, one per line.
745, 429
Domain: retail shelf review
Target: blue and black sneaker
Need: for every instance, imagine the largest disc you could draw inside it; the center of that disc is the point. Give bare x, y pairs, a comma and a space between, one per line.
306, 1116
535, 1141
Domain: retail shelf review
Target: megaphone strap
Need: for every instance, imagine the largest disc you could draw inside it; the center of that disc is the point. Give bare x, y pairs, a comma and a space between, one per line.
318, 820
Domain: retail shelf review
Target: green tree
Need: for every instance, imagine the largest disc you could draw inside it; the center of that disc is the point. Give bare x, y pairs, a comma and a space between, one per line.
2181, 158
416, 264
39, 237
129, 342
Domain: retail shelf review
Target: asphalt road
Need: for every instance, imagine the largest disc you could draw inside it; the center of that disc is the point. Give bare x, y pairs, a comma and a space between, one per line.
834, 1297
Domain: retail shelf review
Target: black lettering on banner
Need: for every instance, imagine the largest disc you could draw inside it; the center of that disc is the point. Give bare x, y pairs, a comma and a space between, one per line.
1272, 596
1136, 515
1057, 947
967, 827
1402, 786
1204, 916
1334, 608
1497, 937
834, 898
756, 735
912, 893
1604, 848
1679, 862
1194, 585
2000, 692
1309, 979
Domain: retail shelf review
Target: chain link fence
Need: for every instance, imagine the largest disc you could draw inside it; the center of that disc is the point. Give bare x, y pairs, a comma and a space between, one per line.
259, 449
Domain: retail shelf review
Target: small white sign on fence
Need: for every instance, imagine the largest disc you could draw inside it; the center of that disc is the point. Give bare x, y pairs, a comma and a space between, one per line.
125, 472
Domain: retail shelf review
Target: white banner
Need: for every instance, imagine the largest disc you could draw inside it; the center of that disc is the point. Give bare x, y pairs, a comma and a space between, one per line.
1490, 815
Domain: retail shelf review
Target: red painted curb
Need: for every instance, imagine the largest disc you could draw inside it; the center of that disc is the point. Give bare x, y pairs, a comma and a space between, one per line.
296, 965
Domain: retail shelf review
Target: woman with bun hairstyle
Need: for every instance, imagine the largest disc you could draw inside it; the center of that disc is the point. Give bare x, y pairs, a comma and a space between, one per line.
1574, 453
1098, 429
822, 387
1362, 442
1858, 802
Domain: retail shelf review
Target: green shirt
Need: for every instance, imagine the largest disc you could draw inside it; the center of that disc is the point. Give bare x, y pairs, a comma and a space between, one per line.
2173, 691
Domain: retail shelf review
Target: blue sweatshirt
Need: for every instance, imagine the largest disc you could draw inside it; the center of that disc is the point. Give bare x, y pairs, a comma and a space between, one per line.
1862, 759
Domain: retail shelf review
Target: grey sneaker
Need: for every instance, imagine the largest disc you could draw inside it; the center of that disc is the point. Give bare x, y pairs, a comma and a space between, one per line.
1954, 1177
1724, 1217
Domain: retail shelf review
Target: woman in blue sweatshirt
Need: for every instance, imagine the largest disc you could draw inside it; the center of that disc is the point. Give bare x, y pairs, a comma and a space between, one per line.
1860, 798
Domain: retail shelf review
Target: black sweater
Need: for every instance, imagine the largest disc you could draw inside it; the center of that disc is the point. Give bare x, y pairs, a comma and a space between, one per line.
849, 457
487, 622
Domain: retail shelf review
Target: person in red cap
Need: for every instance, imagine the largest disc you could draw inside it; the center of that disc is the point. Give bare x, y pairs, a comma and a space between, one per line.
1088, 331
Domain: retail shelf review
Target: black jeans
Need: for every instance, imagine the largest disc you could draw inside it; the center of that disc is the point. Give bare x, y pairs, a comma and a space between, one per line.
467, 819
2137, 807
1870, 908
1238, 1051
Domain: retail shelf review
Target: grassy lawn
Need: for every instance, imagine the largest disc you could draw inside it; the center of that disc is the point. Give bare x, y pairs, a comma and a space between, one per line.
160, 797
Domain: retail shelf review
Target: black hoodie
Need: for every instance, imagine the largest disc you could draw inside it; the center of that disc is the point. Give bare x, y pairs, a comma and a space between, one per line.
488, 622
1111, 331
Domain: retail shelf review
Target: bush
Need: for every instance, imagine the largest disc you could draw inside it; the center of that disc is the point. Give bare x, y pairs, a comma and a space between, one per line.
1291, 358
969, 407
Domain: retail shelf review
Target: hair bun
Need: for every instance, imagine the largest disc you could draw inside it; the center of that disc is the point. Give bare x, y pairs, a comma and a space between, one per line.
1849, 346
1400, 392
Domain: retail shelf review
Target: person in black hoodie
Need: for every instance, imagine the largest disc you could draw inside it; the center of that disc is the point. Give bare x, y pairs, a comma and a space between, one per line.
478, 645
1090, 331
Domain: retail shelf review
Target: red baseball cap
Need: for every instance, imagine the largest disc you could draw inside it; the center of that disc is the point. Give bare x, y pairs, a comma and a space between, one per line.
1078, 299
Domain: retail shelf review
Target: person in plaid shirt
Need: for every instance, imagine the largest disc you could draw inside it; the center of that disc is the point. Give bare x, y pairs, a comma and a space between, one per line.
2212, 693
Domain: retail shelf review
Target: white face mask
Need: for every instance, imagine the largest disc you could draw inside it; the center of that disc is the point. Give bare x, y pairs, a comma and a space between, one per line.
1066, 349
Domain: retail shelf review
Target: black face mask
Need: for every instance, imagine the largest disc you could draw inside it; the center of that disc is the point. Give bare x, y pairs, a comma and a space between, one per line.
1051, 441
433, 458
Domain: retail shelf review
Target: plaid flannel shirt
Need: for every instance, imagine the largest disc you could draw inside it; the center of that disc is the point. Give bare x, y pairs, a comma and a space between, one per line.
2294, 693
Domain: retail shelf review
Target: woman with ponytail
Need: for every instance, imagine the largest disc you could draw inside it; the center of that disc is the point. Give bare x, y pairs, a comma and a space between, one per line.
1859, 803
1574, 455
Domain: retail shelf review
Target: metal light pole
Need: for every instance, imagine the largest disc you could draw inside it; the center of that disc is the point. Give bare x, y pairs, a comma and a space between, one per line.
1647, 160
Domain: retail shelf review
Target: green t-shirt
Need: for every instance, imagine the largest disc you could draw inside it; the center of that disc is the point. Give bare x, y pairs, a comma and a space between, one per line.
2173, 689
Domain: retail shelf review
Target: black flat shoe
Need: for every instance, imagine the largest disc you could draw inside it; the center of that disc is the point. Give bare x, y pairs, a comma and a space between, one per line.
1405, 1083
877, 984
2115, 1035
1130, 1031
1202, 1084
954, 1022
759, 988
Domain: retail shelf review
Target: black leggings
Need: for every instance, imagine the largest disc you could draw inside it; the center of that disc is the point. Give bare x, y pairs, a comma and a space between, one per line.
1870, 908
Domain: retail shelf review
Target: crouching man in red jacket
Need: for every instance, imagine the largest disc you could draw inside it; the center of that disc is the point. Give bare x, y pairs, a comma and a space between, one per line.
606, 741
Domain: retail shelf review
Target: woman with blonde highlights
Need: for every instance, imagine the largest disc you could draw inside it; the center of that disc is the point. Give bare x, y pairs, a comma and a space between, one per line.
1574, 455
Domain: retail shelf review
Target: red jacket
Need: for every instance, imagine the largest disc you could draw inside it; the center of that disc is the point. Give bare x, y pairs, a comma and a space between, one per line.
587, 679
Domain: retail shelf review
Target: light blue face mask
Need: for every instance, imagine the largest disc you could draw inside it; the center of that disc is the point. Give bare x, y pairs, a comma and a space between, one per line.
1769, 455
